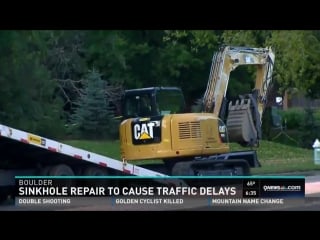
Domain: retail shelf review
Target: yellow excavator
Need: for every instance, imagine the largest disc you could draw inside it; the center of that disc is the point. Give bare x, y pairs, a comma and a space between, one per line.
156, 125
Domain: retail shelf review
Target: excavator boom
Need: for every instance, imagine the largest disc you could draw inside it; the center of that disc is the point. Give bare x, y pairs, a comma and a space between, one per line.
244, 118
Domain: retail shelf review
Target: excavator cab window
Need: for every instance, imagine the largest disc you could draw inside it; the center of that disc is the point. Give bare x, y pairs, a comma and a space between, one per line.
139, 105
170, 102
144, 106
152, 102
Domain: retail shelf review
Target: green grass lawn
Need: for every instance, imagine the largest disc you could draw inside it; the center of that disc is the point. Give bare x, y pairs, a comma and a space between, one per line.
274, 157
107, 148
281, 158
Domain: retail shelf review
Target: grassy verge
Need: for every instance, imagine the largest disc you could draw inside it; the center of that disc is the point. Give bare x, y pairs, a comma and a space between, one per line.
274, 157
281, 158
107, 148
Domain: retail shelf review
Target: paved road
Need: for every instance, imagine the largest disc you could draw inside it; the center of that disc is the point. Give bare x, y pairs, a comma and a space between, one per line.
310, 203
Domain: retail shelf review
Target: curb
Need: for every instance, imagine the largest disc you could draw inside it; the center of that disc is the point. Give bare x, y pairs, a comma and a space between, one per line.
313, 187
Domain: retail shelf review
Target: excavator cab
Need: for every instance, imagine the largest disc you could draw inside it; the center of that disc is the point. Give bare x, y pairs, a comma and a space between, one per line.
153, 101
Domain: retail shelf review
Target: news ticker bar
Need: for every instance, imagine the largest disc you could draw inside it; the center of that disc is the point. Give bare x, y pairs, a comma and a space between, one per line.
203, 186
138, 194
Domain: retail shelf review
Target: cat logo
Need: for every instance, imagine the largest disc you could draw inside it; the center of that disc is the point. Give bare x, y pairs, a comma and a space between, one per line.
145, 130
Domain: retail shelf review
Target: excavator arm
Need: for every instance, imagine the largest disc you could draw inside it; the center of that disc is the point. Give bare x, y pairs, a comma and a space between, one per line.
244, 117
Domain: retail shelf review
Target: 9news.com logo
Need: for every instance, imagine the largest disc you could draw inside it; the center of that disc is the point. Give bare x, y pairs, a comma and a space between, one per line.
283, 188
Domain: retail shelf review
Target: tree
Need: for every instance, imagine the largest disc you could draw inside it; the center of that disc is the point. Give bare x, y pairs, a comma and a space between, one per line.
246, 38
27, 99
186, 58
93, 117
297, 58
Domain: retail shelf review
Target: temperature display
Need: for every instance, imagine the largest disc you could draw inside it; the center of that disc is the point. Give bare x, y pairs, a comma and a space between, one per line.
250, 188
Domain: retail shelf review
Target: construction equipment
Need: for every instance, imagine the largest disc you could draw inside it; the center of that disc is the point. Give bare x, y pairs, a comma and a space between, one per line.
198, 143
189, 143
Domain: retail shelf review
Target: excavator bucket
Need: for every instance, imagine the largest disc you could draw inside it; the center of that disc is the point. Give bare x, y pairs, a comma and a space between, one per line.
240, 124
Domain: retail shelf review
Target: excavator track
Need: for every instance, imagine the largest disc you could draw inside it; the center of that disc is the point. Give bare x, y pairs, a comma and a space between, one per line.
212, 167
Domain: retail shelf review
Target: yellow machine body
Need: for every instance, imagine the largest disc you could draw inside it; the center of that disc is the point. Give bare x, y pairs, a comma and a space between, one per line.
172, 136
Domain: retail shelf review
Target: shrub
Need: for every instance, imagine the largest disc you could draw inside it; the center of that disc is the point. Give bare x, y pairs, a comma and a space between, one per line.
293, 118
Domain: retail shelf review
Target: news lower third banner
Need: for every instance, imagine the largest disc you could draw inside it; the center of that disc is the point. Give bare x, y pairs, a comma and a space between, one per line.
161, 193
